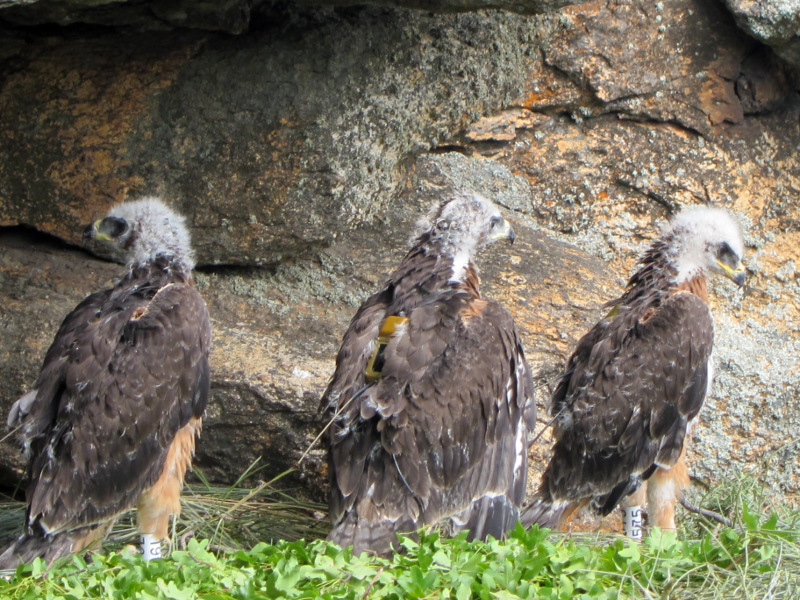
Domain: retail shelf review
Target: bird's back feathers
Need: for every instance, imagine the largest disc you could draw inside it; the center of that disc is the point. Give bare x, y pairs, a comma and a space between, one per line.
127, 369
440, 438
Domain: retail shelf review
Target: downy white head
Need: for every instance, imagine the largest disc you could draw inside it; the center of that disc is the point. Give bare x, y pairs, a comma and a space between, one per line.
139, 231
461, 225
706, 240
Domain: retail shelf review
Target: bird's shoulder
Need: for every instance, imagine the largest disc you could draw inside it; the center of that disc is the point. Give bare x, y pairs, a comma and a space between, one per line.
618, 363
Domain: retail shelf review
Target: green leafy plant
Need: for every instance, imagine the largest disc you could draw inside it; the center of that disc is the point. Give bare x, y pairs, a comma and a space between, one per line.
214, 558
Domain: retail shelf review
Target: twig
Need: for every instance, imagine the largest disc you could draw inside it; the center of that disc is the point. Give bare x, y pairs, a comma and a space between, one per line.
10, 433
371, 583
183, 540
330, 422
221, 548
550, 422
709, 514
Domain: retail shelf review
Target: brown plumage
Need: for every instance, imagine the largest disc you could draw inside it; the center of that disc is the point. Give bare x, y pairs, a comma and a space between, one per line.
439, 434
118, 401
638, 378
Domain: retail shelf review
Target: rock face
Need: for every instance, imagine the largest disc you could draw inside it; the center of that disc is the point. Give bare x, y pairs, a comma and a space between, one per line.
230, 16
303, 150
271, 144
776, 23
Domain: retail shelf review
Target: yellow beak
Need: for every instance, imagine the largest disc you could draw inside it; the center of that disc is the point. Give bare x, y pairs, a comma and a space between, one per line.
93, 232
502, 231
736, 275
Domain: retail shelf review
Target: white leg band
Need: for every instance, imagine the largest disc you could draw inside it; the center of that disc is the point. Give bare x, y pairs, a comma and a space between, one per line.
633, 522
151, 546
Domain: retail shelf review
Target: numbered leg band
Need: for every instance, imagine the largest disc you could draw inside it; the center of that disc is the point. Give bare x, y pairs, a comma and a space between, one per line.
151, 546
633, 522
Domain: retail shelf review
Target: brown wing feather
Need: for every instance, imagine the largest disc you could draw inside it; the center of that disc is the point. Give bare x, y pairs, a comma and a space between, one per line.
350, 439
123, 382
631, 386
38, 414
444, 425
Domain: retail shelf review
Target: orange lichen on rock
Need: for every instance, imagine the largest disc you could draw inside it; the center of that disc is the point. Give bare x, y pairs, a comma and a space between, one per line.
85, 106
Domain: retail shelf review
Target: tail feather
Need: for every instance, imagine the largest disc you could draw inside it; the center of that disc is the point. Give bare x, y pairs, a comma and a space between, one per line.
547, 514
378, 537
488, 515
30, 546
36, 543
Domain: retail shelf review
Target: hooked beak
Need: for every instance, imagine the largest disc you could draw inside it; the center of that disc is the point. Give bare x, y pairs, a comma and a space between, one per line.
92, 231
502, 231
737, 274
105, 230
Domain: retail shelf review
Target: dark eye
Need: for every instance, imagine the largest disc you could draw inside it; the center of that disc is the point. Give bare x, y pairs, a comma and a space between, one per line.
113, 226
495, 221
726, 255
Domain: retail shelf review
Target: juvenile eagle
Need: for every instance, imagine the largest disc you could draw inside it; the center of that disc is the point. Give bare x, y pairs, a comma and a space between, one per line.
638, 378
111, 420
431, 400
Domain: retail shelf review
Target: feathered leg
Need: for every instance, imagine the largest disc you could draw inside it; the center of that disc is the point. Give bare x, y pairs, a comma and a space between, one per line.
163, 500
664, 489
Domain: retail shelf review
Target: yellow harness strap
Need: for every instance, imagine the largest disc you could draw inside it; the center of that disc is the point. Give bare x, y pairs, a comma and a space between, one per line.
376, 361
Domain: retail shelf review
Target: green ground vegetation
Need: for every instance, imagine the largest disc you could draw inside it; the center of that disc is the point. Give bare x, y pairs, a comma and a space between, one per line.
217, 555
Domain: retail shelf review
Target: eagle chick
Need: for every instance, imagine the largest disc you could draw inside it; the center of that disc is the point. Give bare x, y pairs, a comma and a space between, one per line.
637, 380
431, 401
111, 421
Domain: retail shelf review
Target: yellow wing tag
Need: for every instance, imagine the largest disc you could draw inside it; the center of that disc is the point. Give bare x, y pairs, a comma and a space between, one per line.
376, 361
